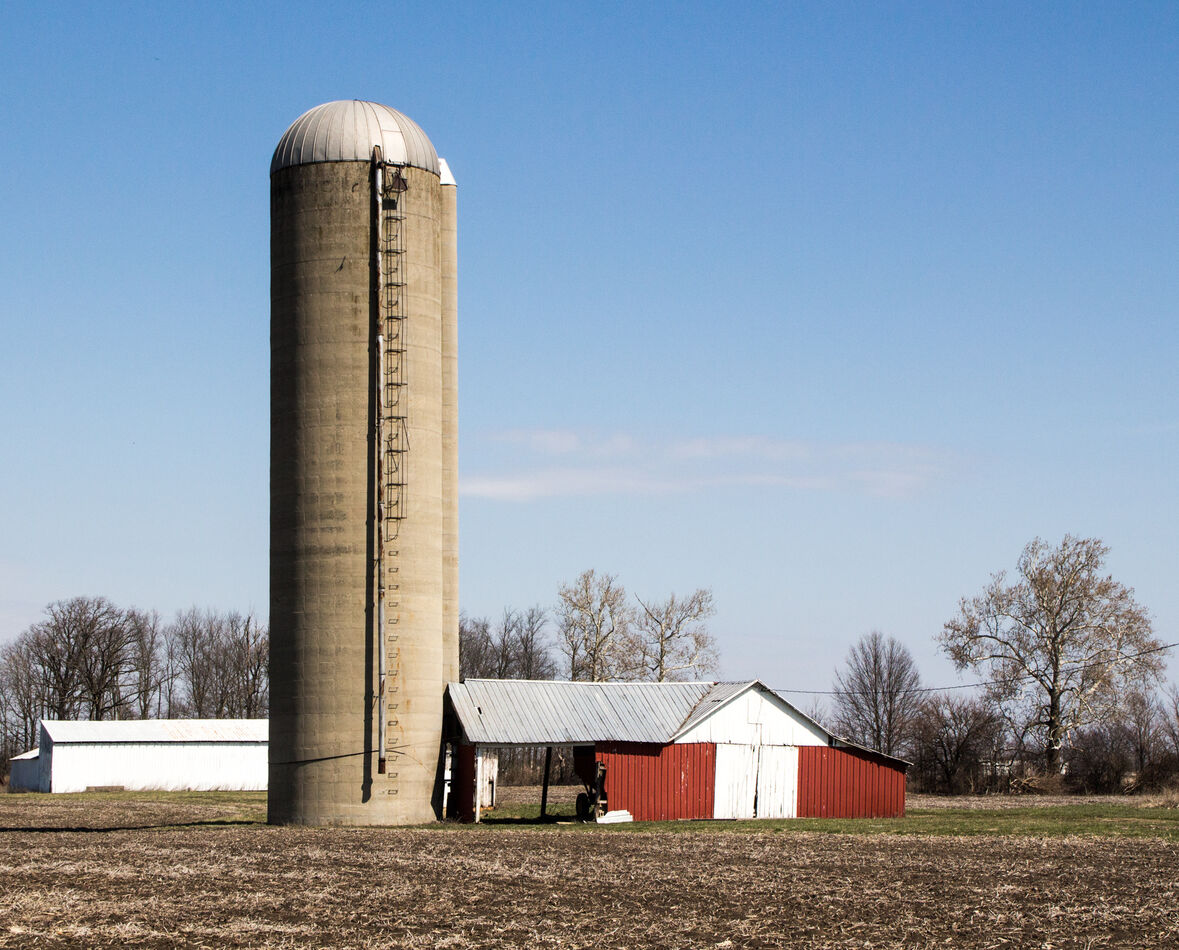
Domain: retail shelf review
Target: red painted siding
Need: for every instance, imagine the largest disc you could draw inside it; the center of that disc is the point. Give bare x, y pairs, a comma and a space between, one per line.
843, 783
660, 782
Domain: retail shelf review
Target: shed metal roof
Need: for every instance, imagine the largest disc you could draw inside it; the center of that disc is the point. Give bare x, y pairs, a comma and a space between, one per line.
559, 712
544, 712
26, 756
158, 730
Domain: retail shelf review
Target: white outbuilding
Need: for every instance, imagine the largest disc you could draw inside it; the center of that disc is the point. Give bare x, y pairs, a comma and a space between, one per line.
148, 754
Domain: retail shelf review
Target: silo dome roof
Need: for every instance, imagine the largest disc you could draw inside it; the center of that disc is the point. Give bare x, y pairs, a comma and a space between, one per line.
347, 130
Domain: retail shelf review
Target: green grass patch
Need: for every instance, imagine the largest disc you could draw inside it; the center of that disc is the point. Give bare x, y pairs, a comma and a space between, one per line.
158, 797
1058, 821
98, 810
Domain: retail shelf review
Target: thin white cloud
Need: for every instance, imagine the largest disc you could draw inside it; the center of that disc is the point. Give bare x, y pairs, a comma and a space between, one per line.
621, 464
565, 442
747, 446
555, 482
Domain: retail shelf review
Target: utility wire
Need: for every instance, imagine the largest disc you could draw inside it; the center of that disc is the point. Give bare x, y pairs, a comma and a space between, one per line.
946, 689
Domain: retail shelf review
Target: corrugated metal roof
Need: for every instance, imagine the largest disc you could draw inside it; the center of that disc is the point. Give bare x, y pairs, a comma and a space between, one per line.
347, 130
26, 756
159, 730
559, 712
546, 712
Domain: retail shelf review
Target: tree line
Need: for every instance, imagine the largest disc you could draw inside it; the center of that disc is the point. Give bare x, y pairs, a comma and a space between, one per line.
1069, 672
1070, 691
595, 631
90, 659
599, 633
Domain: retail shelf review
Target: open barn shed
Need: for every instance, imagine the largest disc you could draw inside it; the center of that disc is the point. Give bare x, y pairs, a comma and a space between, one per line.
142, 754
663, 751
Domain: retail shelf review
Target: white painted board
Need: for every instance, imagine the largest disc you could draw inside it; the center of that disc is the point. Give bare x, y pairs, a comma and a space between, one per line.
757, 719
175, 766
777, 781
736, 780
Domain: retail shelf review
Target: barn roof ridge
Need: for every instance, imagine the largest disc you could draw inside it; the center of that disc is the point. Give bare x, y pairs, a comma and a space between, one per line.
156, 730
588, 683
538, 712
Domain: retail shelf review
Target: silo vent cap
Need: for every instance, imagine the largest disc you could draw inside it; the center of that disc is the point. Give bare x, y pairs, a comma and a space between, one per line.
347, 130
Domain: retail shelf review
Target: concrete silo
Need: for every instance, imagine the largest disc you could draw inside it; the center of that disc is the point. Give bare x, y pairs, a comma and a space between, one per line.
363, 509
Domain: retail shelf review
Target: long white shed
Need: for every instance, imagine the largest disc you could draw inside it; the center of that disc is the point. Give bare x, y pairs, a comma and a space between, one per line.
155, 754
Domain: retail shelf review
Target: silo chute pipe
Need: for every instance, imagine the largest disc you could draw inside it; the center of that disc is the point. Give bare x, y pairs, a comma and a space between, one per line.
379, 438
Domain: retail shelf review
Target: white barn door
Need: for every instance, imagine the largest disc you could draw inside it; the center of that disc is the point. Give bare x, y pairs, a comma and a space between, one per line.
736, 780
777, 781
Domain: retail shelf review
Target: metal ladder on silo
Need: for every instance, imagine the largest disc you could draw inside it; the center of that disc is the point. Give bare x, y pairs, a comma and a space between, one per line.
392, 436
392, 314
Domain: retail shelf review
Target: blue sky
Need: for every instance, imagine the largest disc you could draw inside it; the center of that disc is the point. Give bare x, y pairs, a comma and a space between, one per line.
828, 307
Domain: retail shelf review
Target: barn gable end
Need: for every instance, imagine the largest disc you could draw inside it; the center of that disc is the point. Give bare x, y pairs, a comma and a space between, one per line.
751, 715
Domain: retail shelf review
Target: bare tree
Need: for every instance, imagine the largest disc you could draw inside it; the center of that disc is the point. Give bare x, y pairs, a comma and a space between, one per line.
56, 645
220, 663
516, 648
1141, 720
1169, 720
105, 658
535, 658
816, 709
148, 662
21, 695
171, 700
955, 737
247, 649
198, 642
82, 653
1059, 644
671, 639
1099, 759
504, 641
875, 695
475, 649
594, 620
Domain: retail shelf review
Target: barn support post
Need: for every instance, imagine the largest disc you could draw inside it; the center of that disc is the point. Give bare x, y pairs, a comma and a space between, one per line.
478, 781
544, 789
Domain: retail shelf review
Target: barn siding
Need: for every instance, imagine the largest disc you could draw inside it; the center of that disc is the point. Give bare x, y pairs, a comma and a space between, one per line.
196, 766
659, 782
841, 783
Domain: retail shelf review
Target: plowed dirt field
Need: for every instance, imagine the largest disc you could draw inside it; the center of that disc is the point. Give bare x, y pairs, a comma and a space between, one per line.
198, 871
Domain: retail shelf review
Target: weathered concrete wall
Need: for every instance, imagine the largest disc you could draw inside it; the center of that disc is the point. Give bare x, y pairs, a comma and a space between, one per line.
324, 678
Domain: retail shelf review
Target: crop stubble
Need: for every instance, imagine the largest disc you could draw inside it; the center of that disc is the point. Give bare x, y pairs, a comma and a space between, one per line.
215, 883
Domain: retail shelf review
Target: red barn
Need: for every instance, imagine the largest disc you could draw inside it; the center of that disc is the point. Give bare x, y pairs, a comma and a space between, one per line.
673, 750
